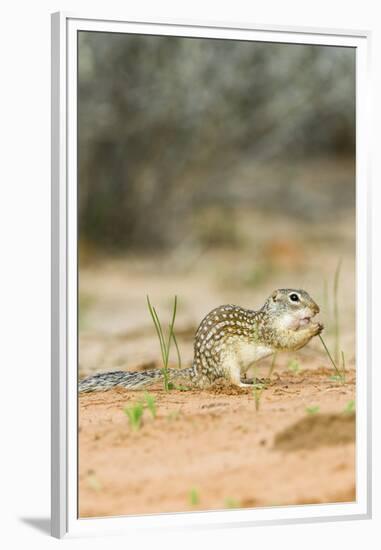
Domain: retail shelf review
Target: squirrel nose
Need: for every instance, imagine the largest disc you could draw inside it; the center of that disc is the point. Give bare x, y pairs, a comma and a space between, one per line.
316, 308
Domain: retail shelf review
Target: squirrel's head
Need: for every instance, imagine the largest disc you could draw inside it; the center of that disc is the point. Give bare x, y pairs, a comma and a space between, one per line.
293, 309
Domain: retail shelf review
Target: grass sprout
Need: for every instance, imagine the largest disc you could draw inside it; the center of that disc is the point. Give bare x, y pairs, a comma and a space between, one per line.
165, 341
135, 415
194, 497
350, 406
294, 366
313, 410
151, 404
135, 412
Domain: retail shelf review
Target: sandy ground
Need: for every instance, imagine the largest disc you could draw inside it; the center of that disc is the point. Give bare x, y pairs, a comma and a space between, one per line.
213, 449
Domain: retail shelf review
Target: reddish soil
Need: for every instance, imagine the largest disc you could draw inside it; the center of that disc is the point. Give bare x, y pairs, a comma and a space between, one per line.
212, 449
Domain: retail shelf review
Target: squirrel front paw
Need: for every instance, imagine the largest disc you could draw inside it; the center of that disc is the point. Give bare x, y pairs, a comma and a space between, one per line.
317, 328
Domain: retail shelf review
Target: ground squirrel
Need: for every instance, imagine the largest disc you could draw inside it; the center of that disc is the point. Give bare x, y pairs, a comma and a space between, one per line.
229, 340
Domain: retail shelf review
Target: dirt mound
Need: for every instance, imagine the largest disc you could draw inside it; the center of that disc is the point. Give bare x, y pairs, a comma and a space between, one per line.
316, 431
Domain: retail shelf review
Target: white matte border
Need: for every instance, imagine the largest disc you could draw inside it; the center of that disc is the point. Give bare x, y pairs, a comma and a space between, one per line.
64, 278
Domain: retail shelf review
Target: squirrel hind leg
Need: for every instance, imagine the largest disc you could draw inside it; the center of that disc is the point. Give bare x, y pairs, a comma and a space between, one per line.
232, 369
236, 372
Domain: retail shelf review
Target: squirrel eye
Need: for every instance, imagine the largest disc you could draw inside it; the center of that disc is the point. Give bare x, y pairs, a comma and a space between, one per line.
294, 297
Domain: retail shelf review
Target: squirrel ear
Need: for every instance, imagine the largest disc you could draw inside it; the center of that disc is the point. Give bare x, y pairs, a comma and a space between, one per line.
274, 295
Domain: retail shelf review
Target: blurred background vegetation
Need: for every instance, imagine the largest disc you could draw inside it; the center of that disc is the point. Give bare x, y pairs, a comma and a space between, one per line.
171, 127
212, 169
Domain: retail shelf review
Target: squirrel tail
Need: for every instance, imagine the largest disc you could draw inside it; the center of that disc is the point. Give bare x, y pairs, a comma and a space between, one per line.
130, 380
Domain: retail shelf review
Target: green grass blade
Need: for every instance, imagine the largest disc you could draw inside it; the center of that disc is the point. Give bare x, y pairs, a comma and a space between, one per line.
330, 357
177, 350
343, 363
150, 402
165, 343
170, 335
161, 334
158, 328
336, 310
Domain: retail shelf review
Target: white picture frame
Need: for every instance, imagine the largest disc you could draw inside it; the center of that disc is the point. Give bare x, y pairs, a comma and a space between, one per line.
65, 521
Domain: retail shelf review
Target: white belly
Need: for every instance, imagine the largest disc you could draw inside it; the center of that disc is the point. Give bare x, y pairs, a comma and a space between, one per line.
250, 353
